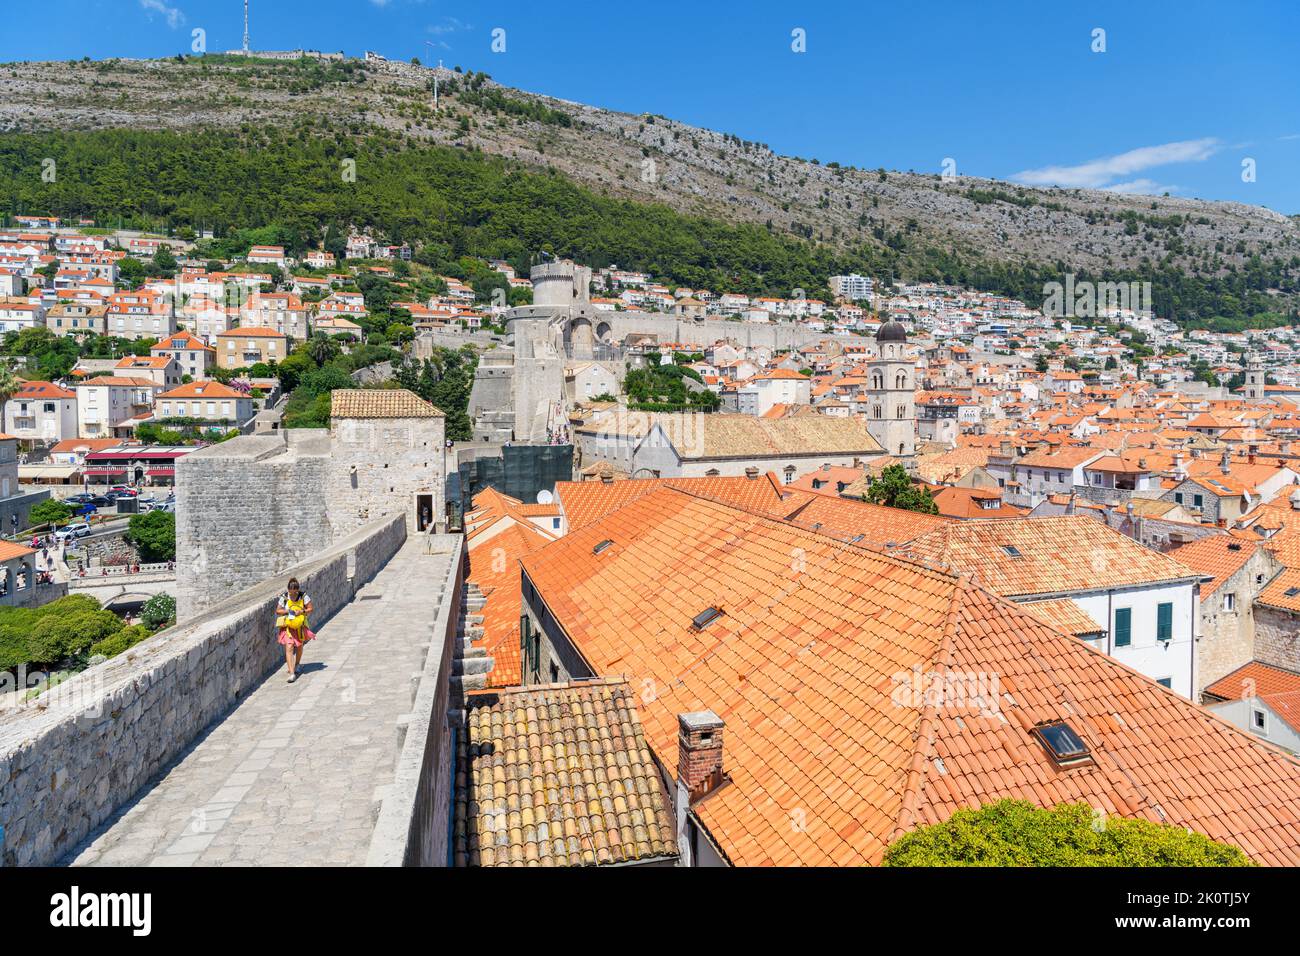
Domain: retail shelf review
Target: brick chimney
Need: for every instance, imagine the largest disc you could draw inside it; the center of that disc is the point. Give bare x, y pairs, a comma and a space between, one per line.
699, 752
751, 472
699, 771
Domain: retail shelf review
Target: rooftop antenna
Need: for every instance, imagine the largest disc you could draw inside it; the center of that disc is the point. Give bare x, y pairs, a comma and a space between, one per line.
245, 27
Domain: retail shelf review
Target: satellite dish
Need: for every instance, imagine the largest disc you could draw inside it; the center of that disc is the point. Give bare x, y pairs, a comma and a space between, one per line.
544, 497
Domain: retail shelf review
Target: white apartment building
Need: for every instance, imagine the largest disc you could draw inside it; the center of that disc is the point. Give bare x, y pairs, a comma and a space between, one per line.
41, 412
852, 287
107, 405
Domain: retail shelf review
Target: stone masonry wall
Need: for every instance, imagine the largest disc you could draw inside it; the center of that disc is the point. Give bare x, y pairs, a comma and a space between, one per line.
247, 509
378, 466
103, 734
412, 826
1277, 638
1226, 639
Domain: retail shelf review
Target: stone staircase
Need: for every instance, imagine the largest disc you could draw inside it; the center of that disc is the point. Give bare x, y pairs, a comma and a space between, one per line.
470, 665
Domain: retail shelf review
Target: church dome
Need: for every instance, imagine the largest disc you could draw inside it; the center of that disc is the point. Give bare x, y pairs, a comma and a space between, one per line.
892, 331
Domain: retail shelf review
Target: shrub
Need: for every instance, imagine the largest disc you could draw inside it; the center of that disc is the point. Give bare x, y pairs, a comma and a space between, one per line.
1016, 833
158, 611
56, 636
123, 639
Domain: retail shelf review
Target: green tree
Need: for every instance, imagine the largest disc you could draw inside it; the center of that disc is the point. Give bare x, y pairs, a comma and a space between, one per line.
1016, 833
164, 262
131, 271
51, 511
153, 534
894, 489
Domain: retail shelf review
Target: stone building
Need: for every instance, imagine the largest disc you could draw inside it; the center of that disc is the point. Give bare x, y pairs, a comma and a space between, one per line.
260, 503
1239, 570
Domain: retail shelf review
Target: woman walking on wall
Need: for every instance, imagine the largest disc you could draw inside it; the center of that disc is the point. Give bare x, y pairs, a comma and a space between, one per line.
292, 611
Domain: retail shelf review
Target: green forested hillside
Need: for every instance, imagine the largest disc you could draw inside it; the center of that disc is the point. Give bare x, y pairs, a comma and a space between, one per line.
255, 185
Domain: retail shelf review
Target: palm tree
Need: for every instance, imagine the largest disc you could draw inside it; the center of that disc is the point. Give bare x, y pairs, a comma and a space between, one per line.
10, 384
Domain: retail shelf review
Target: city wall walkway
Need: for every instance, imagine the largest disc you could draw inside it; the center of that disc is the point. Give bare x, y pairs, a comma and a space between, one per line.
294, 774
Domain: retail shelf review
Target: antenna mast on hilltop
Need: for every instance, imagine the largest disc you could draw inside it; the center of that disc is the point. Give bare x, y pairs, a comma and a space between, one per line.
245, 27
429, 46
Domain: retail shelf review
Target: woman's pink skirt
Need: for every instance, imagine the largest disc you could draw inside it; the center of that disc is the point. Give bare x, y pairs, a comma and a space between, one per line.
289, 636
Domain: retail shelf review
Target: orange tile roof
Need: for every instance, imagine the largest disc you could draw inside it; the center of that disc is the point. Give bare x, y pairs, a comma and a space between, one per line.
1064, 615
251, 331
558, 775
9, 551
494, 568
1253, 680
1058, 554
811, 666
851, 519
1284, 590
205, 389
586, 501
965, 503
38, 390
1219, 556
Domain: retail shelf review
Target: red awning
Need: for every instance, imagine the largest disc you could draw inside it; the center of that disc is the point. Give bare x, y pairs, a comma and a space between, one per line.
160, 471
104, 471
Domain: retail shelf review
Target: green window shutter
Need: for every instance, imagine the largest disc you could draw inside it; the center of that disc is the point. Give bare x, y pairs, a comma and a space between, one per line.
1165, 622
1123, 626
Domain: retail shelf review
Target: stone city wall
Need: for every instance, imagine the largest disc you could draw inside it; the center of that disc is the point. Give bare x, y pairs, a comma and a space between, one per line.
69, 762
412, 828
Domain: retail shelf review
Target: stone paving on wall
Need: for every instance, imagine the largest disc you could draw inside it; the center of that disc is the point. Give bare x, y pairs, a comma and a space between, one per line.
290, 776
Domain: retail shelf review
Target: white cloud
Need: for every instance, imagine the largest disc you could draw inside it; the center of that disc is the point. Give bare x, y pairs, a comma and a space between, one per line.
448, 25
1102, 173
1142, 187
173, 15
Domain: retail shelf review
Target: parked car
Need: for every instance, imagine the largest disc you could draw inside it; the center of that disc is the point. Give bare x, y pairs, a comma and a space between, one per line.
99, 501
81, 499
84, 510
78, 530
124, 491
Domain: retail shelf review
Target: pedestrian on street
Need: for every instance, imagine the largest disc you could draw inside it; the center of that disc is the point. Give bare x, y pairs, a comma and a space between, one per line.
292, 611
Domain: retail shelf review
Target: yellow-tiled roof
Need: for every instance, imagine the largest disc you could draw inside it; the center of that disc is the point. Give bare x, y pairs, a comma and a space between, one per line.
1059, 554
558, 775
380, 403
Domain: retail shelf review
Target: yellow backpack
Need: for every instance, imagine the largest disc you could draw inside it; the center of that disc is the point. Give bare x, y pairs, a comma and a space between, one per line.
295, 619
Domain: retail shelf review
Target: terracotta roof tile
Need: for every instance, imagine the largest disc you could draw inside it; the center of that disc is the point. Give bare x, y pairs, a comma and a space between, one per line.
814, 666
558, 775
1051, 555
1217, 556
1254, 679
380, 403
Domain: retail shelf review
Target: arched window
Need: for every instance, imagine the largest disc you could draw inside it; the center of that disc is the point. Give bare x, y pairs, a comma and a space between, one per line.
877, 380
875, 411
901, 410
901, 382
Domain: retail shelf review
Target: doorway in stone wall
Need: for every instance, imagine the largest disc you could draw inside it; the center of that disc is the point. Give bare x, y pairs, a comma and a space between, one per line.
423, 512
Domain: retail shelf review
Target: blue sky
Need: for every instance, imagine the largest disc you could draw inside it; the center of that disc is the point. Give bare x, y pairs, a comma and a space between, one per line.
1183, 93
